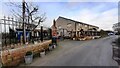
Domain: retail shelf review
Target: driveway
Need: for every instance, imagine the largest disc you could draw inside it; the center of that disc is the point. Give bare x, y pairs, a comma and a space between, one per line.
96, 52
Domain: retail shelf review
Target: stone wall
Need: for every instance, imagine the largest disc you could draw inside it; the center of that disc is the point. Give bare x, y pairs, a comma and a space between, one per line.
13, 57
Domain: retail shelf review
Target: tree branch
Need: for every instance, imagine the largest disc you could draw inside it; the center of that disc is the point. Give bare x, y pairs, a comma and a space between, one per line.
30, 12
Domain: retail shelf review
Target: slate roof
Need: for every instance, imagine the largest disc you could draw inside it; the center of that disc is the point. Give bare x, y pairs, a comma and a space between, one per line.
77, 21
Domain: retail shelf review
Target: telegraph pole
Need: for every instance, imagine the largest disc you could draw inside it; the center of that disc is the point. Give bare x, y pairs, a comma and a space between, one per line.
5, 30
41, 33
23, 14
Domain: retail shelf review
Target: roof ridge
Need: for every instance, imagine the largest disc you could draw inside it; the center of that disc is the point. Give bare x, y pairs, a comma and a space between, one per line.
77, 21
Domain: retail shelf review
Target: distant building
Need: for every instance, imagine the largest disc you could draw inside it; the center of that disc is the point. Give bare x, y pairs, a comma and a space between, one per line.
68, 27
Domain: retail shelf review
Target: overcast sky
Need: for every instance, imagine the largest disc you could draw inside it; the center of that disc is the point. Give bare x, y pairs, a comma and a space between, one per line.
100, 13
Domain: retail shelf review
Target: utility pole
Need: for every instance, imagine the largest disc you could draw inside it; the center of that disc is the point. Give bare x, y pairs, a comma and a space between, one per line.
41, 33
23, 13
5, 30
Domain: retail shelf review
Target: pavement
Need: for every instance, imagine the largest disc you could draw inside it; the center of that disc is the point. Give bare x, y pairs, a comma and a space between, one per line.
96, 52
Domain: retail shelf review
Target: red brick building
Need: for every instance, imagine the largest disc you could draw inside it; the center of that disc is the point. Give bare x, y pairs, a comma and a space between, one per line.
54, 29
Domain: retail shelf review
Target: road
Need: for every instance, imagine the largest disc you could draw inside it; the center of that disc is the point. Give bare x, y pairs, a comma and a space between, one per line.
79, 53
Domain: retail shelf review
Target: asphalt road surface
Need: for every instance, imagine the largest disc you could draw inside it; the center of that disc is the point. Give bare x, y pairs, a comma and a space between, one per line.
79, 53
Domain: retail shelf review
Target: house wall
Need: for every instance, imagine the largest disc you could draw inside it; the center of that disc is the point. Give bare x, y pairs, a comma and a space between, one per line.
62, 23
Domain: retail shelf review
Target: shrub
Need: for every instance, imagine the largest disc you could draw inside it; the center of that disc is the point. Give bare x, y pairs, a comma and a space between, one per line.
118, 41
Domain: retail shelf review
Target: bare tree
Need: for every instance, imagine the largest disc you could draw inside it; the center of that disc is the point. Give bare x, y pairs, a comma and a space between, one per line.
33, 17
29, 16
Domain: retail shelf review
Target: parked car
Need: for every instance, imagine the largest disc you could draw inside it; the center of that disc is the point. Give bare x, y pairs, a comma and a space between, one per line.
111, 34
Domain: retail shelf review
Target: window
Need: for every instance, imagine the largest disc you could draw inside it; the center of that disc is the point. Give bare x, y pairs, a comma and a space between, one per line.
80, 24
69, 25
59, 27
85, 25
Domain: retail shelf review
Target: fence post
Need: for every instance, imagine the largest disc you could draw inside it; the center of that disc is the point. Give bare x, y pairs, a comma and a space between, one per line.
50, 31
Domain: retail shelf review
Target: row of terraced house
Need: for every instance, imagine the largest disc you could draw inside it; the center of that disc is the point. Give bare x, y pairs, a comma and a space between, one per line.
74, 29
